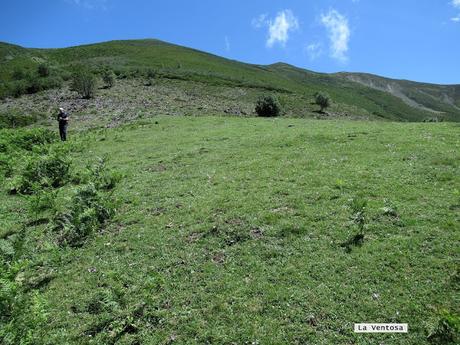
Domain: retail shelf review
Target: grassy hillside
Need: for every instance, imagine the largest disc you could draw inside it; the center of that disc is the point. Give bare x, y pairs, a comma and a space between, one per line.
232, 231
352, 96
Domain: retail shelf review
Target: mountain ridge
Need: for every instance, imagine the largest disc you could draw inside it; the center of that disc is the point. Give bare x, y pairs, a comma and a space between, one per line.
394, 99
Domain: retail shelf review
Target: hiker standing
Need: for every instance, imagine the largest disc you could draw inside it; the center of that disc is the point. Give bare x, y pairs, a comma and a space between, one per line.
63, 119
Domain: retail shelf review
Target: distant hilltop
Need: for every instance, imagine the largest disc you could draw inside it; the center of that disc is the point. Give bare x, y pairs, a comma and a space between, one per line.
379, 97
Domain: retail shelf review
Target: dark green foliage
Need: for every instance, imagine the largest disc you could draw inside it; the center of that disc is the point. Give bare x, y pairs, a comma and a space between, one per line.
43, 70
358, 208
18, 74
44, 171
6, 168
25, 139
447, 330
84, 82
150, 77
268, 106
151, 74
109, 78
99, 175
358, 218
14, 119
16, 145
42, 200
29, 85
87, 210
19, 88
323, 100
23, 309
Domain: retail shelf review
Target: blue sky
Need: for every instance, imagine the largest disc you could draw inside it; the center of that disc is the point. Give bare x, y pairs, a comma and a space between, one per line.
407, 39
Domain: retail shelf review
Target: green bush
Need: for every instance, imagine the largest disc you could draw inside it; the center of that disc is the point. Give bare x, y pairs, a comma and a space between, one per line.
323, 100
6, 168
268, 106
151, 74
18, 74
447, 330
109, 78
35, 84
18, 88
25, 139
15, 119
86, 212
43, 200
28, 84
45, 171
84, 83
43, 70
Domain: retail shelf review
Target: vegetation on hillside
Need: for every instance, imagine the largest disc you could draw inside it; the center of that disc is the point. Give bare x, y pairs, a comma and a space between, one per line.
138, 58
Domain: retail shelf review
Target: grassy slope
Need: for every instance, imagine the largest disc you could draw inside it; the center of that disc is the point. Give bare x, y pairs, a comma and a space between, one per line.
195, 65
230, 231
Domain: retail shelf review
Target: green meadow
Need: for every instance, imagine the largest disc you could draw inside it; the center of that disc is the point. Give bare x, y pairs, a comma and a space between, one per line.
231, 230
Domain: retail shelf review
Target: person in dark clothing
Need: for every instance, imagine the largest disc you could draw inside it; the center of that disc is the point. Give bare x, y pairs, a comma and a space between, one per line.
63, 119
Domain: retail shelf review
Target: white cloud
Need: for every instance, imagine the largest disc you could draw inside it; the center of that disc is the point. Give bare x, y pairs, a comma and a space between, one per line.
314, 50
339, 34
278, 30
259, 21
456, 4
227, 44
90, 4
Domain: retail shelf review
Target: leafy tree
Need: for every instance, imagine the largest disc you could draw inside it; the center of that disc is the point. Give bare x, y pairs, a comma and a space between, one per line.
268, 106
84, 82
323, 100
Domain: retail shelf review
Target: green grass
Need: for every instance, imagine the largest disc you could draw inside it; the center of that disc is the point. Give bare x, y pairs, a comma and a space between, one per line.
232, 230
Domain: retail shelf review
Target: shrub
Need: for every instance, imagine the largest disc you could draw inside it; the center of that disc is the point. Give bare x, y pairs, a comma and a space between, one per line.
43, 70
84, 83
151, 74
109, 78
34, 84
41, 201
6, 168
323, 100
268, 106
99, 176
25, 139
358, 218
447, 330
18, 88
358, 207
14, 119
51, 170
87, 211
18, 74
